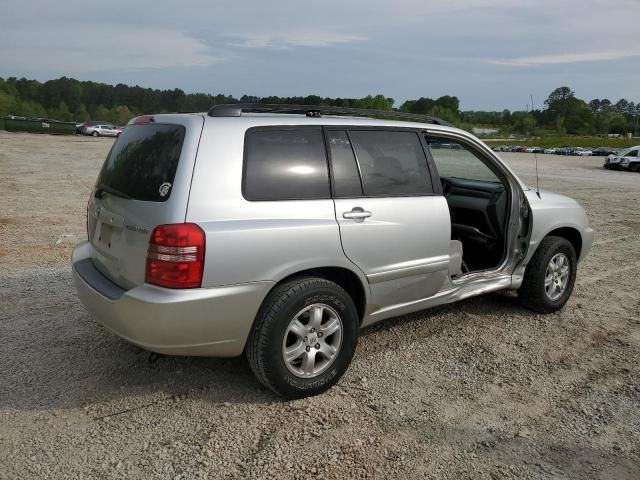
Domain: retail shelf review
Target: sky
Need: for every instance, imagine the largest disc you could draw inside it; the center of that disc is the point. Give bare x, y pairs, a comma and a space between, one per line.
491, 54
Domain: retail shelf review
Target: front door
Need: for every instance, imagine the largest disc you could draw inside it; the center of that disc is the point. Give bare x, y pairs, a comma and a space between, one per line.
392, 224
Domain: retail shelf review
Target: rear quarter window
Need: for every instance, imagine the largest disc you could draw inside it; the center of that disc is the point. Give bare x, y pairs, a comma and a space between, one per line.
143, 161
285, 164
391, 163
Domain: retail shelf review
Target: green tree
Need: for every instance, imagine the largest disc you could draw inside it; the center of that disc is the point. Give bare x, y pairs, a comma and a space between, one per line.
523, 122
7, 104
61, 113
594, 105
578, 118
618, 124
560, 94
121, 115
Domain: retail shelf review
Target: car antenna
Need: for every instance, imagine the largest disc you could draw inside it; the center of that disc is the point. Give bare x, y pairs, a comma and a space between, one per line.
535, 154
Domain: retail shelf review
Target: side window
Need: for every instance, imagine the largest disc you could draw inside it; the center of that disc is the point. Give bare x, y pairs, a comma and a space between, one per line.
456, 160
287, 164
633, 153
391, 162
346, 179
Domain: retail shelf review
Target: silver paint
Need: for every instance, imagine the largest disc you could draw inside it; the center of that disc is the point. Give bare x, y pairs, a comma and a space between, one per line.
399, 253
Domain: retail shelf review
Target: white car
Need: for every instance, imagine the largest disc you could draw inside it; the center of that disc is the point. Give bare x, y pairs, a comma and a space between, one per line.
583, 153
629, 159
550, 150
102, 130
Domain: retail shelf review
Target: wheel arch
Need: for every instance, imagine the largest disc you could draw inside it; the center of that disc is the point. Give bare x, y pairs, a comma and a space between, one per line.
571, 234
349, 280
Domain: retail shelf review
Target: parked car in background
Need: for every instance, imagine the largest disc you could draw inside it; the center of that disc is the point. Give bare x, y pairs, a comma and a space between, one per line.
626, 160
550, 150
534, 150
563, 151
278, 231
90, 123
582, 152
102, 130
603, 152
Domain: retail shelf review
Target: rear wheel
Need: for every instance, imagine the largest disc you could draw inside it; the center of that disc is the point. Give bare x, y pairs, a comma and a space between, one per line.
304, 337
550, 276
95, 133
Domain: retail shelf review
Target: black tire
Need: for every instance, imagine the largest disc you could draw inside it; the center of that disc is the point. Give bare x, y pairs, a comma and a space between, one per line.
95, 134
532, 293
634, 167
264, 348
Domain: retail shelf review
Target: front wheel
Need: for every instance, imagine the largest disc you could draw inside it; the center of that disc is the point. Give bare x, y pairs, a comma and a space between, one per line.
550, 276
303, 338
95, 134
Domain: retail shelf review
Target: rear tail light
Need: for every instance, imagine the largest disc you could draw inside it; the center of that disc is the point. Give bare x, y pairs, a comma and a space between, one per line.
144, 120
175, 258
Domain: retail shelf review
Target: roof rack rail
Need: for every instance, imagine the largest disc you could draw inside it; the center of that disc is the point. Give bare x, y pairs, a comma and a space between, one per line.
237, 109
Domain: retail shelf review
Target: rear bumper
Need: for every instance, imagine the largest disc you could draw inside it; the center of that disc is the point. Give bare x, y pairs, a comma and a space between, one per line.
202, 321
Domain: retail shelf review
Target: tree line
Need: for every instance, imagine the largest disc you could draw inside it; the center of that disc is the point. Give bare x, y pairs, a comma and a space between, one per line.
68, 99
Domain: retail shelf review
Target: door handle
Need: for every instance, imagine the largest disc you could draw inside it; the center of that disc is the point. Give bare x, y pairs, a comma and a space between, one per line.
356, 213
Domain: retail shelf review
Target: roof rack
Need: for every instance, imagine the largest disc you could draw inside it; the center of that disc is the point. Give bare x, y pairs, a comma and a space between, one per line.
237, 109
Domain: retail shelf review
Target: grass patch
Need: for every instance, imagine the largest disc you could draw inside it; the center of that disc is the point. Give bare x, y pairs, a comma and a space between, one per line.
559, 141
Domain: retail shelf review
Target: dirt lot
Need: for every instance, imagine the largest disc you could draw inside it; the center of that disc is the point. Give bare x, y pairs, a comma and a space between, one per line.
479, 389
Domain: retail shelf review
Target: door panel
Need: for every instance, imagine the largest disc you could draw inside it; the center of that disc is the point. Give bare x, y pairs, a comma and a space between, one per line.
402, 247
392, 226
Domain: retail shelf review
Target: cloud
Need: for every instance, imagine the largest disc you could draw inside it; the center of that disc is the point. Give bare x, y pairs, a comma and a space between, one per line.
307, 37
483, 51
103, 48
556, 59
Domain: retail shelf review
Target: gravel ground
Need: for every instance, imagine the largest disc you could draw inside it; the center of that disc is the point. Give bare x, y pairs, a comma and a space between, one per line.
480, 389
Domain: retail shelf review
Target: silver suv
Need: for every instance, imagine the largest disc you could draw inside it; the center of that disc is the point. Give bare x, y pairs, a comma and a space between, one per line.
628, 159
280, 231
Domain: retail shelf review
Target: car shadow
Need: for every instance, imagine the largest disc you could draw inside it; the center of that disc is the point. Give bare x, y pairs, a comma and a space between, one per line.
55, 356
487, 307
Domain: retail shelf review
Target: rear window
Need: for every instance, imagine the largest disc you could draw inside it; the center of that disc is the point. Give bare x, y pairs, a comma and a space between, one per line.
143, 161
285, 164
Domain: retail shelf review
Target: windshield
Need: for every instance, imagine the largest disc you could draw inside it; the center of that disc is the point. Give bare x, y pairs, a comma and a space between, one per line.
626, 152
142, 163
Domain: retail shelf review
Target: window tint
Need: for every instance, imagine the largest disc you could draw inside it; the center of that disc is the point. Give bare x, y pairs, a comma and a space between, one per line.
286, 164
633, 153
143, 159
454, 159
346, 180
391, 162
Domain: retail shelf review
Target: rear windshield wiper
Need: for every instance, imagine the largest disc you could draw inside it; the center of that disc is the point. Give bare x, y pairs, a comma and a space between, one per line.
101, 188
